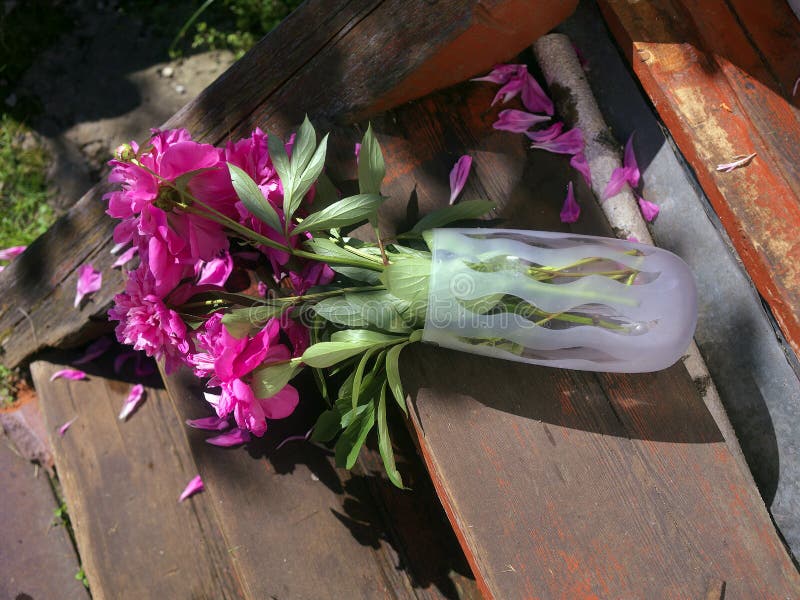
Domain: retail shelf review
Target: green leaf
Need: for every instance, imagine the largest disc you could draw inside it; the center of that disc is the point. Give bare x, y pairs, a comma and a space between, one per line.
238, 322
380, 309
326, 427
304, 180
342, 213
326, 354
385, 444
469, 209
365, 336
280, 160
359, 374
393, 375
371, 168
303, 148
326, 247
358, 274
271, 379
338, 310
252, 198
353, 438
352, 414
408, 279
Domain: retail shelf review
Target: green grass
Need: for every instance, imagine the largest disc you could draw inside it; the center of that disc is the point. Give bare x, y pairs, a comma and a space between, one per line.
24, 212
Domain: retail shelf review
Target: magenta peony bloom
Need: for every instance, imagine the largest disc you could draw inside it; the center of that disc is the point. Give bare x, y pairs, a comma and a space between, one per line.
229, 361
147, 324
313, 273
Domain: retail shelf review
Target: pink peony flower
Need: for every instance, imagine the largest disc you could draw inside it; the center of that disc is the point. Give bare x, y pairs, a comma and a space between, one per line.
229, 362
147, 324
215, 271
313, 273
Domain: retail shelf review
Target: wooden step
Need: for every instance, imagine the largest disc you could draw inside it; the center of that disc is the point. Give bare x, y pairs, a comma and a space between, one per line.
271, 523
721, 76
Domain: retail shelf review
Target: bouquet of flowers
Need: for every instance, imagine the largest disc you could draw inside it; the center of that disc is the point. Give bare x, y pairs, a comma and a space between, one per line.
247, 276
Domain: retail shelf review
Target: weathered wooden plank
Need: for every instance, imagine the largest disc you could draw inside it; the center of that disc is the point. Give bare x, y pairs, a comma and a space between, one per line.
283, 510
31, 543
721, 95
329, 59
121, 482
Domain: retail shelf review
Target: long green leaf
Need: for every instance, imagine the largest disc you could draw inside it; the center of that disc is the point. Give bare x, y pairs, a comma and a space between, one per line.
342, 213
338, 310
326, 354
303, 148
385, 443
326, 427
304, 180
280, 160
371, 168
359, 374
353, 438
252, 198
365, 336
469, 209
393, 375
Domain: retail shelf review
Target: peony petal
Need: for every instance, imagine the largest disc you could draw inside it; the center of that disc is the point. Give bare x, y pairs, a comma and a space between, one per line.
728, 167
571, 209
357, 151
649, 210
72, 374
63, 429
121, 359
96, 349
458, 176
619, 178
132, 401
215, 271
517, 121
533, 96
508, 91
234, 438
212, 423
194, 486
9, 253
569, 142
545, 135
125, 257
501, 74
581, 165
633, 238
630, 164
282, 404
89, 281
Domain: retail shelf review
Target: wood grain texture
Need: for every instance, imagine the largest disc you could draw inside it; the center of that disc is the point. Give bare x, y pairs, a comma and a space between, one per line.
564, 484
328, 59
300, 528
121, 481
31, 543
720, 75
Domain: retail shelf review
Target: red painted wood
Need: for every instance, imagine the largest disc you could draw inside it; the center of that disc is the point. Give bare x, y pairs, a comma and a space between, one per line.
721, 83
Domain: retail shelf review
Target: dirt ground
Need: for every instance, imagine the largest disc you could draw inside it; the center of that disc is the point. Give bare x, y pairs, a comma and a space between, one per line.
105, 82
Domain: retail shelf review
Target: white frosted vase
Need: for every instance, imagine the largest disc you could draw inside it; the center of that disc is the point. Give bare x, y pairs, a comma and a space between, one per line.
559, 299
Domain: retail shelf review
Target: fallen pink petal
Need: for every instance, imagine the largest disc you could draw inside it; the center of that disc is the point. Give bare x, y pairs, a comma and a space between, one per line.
633, 238
63, 429
9, 253
728, 167
571, 209
649, 210
501, 74
533, 96
458, 176
357, 151
508, 91
89, 281
619, 178
234, 438
581, 165
132, 401
517, 121
194, 486
95, 350
545, 135
569, 142
212, 423
630, 164
72, 374
121, 359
